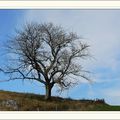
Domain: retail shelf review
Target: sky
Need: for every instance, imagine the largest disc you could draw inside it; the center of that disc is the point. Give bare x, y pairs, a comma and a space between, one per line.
99, 28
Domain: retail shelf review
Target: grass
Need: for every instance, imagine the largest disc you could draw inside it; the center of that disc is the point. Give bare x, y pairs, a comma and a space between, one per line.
12, 101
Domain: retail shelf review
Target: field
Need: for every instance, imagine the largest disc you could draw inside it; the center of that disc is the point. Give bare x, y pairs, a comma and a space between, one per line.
12, 101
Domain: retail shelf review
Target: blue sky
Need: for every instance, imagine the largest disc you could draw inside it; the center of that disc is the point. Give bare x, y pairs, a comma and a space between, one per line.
100, 28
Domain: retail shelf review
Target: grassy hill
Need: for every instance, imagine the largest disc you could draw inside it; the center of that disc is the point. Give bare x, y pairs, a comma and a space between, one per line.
12, 101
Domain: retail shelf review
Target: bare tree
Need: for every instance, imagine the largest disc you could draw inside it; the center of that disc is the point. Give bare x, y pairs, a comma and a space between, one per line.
48, 54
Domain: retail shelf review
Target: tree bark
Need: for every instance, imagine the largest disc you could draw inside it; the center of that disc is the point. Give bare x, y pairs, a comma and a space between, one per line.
48, 92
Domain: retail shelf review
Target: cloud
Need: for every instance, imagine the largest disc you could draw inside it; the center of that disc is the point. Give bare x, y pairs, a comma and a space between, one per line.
100, 28
112, 95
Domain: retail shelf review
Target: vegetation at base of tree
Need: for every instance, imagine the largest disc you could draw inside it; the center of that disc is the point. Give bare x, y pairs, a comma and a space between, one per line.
13, 101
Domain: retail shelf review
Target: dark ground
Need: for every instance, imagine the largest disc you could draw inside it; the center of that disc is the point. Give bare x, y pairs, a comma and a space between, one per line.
12, 101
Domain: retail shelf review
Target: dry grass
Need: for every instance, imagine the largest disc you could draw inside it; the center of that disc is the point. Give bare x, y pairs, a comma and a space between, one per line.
12, 101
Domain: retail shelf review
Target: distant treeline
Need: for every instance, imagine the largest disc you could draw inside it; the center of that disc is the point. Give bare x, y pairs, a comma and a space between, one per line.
94, 101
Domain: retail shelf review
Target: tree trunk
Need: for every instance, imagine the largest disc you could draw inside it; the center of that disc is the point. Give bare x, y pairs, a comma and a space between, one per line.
48, 92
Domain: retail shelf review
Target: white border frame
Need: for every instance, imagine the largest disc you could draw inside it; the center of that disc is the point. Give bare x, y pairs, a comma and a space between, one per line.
60, 115
87, 115
59, 4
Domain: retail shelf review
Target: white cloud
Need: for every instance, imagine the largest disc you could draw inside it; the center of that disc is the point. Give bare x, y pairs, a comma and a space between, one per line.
112, 92
112, 95
100, 28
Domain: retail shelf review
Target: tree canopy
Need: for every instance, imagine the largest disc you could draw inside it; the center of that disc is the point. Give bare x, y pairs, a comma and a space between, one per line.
47, 53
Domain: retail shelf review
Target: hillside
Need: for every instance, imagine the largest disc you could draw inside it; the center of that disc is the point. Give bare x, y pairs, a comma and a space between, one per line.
12, 101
